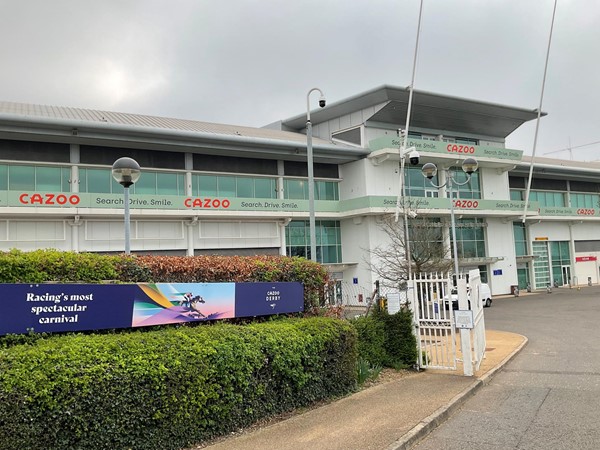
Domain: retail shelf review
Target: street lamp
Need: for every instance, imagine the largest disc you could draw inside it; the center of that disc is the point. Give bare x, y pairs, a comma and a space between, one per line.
311, 177
126, 172
413, 156
429, 170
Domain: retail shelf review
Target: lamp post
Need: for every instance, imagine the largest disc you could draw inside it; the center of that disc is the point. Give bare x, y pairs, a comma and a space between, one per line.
126, 172
311, 177
429, 170
414, 156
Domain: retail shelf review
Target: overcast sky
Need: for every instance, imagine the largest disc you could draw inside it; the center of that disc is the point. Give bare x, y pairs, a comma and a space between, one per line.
251, 62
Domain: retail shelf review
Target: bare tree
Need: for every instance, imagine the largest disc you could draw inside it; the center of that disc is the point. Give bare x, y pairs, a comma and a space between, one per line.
428, 252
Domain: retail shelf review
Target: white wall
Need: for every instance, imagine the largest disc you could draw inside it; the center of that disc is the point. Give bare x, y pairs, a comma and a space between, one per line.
494, 185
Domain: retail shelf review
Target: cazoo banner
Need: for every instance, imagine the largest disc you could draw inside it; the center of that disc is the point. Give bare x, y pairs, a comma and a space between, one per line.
78, 307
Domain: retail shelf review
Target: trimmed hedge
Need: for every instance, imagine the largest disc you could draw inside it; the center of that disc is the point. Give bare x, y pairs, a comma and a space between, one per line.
387, 339
67, 267
171, 388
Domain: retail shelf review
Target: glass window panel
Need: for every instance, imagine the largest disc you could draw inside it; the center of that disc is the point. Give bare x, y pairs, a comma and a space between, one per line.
295, 190
468, 233
21, 178
516, 195
83, 180
469, 249
207, 185
245, 187
264, 188
115, 187
3, 177
226, 186
66, 179
168, 183
333, 192
99, 181
48, 179
146, 184
329, 236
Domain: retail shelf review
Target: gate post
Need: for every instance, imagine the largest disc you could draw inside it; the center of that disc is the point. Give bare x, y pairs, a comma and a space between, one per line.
465, 334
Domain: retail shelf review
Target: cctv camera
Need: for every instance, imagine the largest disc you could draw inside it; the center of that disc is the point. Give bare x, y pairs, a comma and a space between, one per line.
322, 102
412, 214
414, 157
401, 132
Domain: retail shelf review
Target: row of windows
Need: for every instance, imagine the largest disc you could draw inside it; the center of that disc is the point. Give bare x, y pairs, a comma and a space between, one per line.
58, 179
551, 198
419, 186
328, 240
470, 238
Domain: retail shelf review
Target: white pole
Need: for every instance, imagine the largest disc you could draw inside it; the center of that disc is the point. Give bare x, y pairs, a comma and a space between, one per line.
127, 222
539, 114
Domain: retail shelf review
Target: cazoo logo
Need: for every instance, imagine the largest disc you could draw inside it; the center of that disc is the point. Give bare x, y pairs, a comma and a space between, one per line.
49, 199
586, 212
211, 203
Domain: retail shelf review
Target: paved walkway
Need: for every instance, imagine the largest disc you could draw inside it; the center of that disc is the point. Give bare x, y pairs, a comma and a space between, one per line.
389, 416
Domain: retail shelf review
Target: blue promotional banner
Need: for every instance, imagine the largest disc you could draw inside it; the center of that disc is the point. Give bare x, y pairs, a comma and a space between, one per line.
79, 307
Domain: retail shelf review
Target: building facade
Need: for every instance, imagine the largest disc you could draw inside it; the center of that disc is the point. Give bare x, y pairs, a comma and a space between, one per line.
225, 189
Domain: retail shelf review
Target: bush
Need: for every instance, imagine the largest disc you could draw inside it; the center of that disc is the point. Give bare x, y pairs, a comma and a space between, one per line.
400, 342
386, 339
371, 339
52, 265
171, 388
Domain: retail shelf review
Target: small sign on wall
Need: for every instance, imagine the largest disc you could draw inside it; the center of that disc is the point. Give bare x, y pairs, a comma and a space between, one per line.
497, 271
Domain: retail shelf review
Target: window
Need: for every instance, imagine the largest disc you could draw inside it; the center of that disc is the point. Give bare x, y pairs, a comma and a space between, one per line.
471, 189
328, 240
98, 181
470, 238
520, 236
3, 177
516, 194
170, 183
295, 189
561, 256
232, 186
585, 200
417, 185
547, 198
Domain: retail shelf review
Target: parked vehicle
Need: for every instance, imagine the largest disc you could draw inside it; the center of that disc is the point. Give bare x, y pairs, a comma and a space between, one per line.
486, 296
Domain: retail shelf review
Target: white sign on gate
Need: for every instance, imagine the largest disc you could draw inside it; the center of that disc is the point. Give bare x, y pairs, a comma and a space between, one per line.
464, 319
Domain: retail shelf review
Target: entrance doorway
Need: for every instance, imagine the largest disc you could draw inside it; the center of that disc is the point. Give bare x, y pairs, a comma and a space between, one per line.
566, 275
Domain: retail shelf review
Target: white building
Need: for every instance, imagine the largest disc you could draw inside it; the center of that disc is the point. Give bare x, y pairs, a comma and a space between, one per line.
210, 188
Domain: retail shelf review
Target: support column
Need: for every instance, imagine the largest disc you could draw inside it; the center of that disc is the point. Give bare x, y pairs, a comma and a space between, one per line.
190, 235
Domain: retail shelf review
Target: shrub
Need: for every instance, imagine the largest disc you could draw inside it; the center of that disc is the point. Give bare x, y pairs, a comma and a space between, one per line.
400, 342
371, 339
386, 339
171, 388
53, 265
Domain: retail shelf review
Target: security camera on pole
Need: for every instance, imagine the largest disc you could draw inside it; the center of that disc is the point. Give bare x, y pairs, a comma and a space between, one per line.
311, 178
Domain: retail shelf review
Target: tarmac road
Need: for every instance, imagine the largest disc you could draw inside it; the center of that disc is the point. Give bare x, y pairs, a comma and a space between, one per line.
548, 396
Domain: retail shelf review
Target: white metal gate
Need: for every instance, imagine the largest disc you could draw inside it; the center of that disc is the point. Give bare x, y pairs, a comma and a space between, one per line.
431, 298
431, 301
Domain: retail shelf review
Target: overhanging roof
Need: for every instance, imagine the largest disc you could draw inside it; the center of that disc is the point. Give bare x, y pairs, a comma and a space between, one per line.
429, 110
22, 121
558, 169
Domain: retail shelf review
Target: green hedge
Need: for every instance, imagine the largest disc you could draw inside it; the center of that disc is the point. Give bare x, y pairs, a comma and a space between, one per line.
171, 388
68, 267
387, 339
